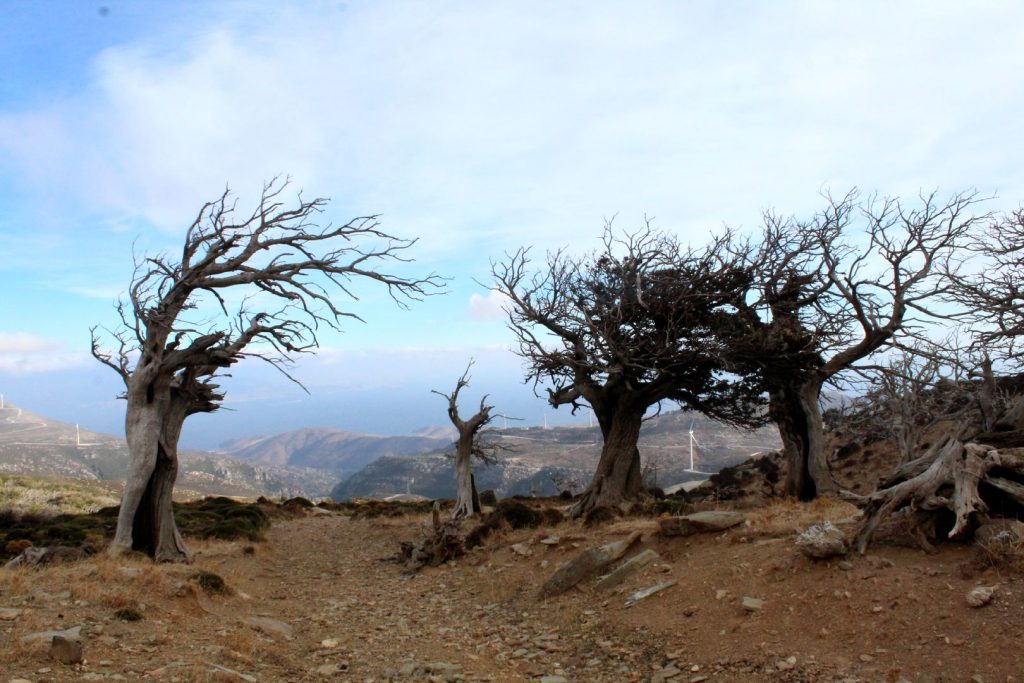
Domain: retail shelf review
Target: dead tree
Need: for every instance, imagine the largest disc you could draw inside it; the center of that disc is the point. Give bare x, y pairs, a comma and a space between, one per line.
992, 292
912, 392
830, 292
177, 333
471, 443
951, 477
635, 324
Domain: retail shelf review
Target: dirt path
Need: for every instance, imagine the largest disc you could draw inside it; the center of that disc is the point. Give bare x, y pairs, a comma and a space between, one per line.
331, 610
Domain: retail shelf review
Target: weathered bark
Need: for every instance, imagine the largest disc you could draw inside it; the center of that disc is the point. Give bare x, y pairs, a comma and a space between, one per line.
145, 523
796, 411
948, 478
466, 503
469, 445
618, 475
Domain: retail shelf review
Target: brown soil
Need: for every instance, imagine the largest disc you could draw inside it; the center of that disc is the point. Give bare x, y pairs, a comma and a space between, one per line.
895, 614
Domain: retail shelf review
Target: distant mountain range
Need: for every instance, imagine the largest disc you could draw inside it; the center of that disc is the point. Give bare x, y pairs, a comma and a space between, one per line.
39, 446
315, 461
339, 452
546, 461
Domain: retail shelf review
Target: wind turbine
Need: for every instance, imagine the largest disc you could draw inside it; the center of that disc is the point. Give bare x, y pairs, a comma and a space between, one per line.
693, 441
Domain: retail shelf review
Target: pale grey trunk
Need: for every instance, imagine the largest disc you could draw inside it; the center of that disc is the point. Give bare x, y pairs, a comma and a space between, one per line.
145, 522
466, 503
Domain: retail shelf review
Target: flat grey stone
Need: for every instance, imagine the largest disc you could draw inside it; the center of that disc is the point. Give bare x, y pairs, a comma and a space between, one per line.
630, 566
701, 522
272, 627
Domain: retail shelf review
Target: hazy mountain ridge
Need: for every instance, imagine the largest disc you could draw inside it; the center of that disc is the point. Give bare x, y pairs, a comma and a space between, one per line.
35, 445
333, 450
544, 461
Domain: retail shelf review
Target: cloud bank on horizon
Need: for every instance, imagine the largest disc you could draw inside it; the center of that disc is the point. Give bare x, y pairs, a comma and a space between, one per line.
476, 127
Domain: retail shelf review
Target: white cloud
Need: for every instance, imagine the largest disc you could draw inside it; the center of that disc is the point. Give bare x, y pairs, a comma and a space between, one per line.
22, 353
478, 126
490, 307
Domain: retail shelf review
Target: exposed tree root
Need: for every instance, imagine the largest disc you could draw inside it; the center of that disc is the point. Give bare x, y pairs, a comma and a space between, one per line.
968, 480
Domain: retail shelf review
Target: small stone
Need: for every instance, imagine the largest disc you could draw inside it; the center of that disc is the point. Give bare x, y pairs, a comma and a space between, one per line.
553, 679
752, 604
329, 643
550, 540
979, 596
866, 658
845, 565
442, 668
821, 541
521, 549
271, 627
9, 613
66, 650
130, 572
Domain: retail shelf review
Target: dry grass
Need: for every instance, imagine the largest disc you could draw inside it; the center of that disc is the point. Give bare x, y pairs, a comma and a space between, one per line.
36, 495
1004, 551
788, 517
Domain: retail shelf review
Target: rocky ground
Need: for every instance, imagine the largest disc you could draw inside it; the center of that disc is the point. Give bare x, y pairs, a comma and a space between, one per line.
315, 602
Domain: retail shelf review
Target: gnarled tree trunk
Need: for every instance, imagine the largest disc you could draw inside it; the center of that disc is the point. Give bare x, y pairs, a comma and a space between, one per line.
145, 522
952, 476
467, 503
618, 474
796, 411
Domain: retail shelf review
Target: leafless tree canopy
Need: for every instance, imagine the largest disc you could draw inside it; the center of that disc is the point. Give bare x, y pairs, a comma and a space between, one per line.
639, 322
293, 270
991, 289
831, 291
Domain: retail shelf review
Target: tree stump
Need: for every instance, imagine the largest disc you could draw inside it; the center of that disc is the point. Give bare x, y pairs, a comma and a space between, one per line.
968, 480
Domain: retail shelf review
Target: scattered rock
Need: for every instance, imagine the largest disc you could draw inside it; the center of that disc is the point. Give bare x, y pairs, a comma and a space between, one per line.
585, 565
224, 671
550, 540
648, 592
441, 668
521, 549
752, 604
821, 541
271, 627
74, 633
627, 568
701, 522
9, 613
66, 650
979, 596
845, 565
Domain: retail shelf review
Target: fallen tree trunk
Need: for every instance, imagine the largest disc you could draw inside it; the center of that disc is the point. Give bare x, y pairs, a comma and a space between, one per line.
968, 480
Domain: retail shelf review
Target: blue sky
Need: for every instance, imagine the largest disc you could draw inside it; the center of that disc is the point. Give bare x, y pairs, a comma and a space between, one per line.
475, 127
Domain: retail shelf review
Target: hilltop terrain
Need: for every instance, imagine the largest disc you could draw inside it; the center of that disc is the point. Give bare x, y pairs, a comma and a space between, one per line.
315, 602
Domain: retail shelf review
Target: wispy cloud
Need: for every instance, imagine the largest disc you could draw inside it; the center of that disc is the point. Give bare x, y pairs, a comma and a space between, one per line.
22, 353
494, 121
